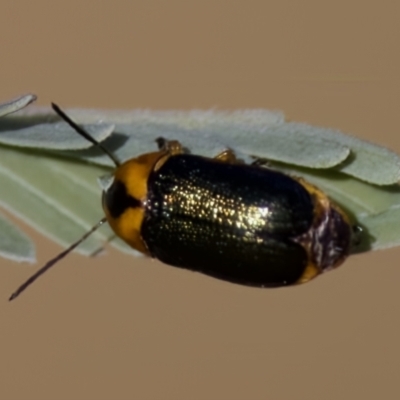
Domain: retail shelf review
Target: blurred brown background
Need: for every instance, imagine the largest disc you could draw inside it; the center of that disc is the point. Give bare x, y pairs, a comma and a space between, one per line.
121, 328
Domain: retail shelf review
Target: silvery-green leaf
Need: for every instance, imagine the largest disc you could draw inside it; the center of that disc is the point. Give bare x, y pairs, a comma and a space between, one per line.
368, 162
21, 198
272, 145
259, 133
191, 119
49, 135
16, 104
15, 244
337, 163
384, 226
19, 171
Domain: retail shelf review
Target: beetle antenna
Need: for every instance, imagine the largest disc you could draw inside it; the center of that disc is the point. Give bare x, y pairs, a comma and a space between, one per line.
83, 133
53, 261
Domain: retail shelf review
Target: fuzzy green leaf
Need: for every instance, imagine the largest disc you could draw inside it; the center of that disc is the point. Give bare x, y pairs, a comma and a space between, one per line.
16, 104
14, 244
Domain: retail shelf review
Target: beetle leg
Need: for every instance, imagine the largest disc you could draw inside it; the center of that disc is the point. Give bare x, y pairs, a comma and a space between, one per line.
227, 156
172, 147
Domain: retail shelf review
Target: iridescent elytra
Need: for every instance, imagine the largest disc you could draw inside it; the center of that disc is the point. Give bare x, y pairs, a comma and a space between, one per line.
247, 224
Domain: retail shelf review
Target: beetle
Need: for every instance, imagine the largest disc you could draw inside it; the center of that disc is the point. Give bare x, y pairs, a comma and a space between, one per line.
242, 223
